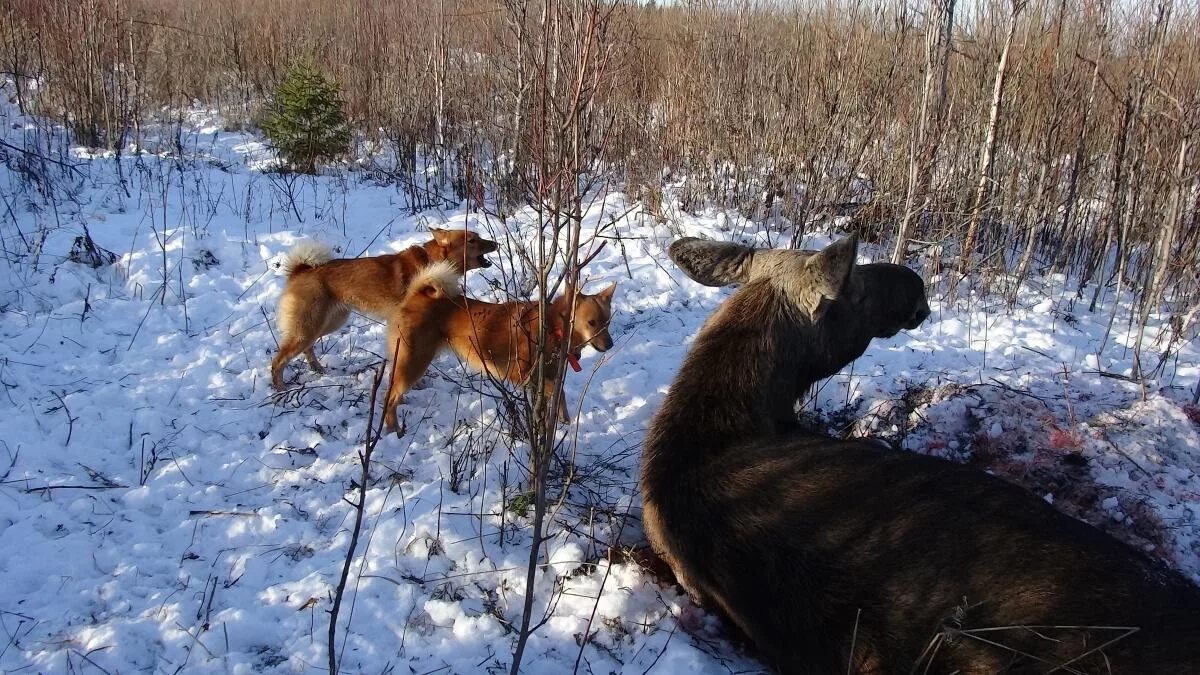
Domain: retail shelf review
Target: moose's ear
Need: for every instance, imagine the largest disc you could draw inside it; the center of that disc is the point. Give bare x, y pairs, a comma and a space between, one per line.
826, 274
712, 263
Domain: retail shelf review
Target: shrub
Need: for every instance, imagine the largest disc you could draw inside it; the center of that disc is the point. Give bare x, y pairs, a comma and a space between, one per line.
304, 119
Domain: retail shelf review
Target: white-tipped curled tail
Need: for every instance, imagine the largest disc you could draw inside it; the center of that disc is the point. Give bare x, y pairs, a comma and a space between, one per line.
437, 280
306, 255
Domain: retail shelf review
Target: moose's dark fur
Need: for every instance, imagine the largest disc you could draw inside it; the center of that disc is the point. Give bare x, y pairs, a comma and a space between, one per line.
843, 556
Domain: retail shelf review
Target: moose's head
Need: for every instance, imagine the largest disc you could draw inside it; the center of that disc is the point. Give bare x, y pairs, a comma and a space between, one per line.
874, 300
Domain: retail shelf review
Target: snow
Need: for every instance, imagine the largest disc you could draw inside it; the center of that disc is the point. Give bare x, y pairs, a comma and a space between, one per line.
162, 510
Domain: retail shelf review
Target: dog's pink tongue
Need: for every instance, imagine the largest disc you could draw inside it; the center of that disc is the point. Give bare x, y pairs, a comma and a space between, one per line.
574, 362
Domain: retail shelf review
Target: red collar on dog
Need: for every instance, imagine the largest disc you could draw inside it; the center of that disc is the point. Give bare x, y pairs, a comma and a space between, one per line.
558, 335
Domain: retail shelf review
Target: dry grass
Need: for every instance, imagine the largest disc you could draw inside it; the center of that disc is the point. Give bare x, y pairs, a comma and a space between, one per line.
800, 111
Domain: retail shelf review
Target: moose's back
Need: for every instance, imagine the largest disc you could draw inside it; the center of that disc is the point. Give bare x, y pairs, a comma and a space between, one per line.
839, 552
835, 555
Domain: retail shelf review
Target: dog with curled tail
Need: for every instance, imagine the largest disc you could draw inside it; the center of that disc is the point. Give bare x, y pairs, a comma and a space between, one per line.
499, 339
321, 290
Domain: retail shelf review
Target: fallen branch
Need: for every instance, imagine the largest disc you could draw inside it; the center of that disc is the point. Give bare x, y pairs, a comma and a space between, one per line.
67, 412
39, 156
47, 488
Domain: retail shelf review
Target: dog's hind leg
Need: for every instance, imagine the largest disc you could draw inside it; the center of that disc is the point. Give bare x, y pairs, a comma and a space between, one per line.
298, 329
410, 359
289, 348
311, 357
335, 318
398, 386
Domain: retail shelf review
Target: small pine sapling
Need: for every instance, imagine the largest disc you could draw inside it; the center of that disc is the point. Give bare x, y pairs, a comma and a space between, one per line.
304, 119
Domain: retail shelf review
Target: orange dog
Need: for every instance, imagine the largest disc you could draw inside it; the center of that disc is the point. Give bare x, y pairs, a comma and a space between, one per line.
497, 339
321, 290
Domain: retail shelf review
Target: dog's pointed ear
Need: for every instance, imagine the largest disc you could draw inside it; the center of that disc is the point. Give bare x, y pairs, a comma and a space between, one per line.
606, 295
712, 263
442, 237
826, 274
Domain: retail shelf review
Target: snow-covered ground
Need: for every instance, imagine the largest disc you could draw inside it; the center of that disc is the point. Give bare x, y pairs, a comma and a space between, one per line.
161, 510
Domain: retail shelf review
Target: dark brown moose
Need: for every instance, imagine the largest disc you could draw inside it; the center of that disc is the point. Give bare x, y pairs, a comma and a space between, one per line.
838, 556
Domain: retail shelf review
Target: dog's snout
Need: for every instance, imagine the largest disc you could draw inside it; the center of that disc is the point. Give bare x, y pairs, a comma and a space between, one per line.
603, 343
486, 246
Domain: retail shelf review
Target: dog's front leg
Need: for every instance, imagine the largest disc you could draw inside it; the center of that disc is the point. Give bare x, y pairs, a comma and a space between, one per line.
564, 417
561, 410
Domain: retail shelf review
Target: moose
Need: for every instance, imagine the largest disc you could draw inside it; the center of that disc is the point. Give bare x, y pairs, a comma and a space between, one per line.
837, 556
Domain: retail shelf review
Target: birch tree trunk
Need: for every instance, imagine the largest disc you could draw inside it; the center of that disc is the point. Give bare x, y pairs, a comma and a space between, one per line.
1162, 257
987, 153
938, 39
1077, 160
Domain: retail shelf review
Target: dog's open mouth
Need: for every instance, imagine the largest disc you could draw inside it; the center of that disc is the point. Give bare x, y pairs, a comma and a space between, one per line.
484, 262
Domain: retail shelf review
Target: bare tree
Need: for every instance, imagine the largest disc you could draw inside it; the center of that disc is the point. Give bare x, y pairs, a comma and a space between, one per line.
939, 28
571, 64
987, 151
